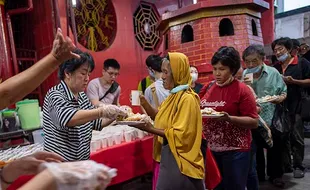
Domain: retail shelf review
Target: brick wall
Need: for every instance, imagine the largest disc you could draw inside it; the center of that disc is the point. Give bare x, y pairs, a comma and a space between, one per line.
207, 40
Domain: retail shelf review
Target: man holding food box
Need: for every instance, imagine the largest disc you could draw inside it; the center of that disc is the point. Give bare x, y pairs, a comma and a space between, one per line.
271, 90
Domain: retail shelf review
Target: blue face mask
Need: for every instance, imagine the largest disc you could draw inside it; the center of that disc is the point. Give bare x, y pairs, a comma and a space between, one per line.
283, 57
254, 69
179, 88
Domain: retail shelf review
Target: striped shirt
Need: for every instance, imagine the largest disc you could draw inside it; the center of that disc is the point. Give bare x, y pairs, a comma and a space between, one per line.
60, 105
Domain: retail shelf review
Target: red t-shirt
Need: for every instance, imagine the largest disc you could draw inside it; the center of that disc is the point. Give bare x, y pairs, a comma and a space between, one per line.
237, 100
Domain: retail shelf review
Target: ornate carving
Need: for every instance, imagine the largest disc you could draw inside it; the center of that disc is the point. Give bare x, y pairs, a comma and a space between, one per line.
95, 23
146, 19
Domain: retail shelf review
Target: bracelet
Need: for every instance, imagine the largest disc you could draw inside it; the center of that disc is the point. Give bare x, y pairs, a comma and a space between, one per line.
2, 178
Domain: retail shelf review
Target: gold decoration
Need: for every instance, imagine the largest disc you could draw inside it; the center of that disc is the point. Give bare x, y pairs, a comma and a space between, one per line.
95, 25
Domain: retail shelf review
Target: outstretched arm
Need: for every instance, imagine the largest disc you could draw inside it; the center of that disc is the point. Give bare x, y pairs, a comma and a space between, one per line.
17, 87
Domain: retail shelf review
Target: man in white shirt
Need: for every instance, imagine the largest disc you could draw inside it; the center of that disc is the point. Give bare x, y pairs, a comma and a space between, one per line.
155, 94
105, 90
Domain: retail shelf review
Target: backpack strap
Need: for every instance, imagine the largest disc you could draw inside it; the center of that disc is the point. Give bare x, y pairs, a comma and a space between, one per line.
112, 89
155, 98
143, 85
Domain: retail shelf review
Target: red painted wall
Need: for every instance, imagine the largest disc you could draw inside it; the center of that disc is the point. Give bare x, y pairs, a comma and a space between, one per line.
207, 40
268, 23
125, 49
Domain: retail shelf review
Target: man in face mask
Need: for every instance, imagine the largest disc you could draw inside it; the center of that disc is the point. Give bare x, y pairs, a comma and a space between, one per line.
195, 85
266, 81
296, 74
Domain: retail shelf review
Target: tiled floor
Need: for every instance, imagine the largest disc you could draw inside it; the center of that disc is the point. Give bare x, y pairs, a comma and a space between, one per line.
292, 183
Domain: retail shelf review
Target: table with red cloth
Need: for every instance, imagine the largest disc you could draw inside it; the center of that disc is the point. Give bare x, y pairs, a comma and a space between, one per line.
131, 159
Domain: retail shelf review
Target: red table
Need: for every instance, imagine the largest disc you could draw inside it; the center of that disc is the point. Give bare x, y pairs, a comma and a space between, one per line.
131, 159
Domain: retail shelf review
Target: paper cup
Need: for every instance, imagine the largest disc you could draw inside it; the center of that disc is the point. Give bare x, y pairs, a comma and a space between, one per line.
104, 143
250, 77
135, 100
110, 141
118, 137
140, 134
128, 136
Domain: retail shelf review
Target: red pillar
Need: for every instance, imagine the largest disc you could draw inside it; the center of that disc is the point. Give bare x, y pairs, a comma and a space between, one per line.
6, 69
267, 23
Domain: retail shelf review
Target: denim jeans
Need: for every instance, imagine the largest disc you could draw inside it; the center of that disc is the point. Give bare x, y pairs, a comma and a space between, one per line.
234, 168
252, 182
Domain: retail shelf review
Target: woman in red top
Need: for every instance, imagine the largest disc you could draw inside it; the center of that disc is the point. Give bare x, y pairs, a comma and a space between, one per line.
229, 137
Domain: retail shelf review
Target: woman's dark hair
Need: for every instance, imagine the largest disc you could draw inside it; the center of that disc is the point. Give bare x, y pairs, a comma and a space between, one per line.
227, 56
286, 42
72, 65
111, 63
254, 49
154, 62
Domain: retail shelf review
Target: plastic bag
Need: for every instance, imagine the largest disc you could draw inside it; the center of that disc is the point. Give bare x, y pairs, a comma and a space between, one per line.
80, 175
213, 175
281, 120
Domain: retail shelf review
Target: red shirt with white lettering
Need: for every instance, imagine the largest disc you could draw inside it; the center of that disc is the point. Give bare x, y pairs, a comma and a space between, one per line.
237, 100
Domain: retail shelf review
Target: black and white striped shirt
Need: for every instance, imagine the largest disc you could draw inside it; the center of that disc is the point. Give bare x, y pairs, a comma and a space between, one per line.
60, 105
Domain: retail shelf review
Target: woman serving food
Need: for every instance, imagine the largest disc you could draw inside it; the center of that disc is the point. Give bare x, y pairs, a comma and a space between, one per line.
178, 123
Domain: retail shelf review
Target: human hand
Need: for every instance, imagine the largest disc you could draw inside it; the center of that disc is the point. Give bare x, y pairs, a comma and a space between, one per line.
111, 111
28, 165
63, 47
225, 117
288, 79
145, 126
276, 101
143, 100
80, 175
247, 81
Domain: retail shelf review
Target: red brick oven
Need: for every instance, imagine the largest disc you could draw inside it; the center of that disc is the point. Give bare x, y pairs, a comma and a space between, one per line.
198, 30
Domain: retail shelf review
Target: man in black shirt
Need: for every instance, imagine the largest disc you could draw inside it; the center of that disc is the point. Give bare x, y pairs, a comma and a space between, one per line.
304, 51
296, 74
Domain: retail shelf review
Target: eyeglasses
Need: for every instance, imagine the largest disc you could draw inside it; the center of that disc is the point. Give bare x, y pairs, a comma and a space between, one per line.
112, 74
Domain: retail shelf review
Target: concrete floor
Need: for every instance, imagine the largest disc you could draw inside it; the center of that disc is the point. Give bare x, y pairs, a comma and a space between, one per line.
291, 183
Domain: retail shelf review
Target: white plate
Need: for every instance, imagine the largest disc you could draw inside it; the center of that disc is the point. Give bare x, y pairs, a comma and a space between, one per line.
133, 123
260, 100
212, 115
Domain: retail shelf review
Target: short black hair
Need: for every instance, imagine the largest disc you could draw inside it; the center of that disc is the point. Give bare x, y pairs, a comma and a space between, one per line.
227, 56
111, 63
296, 43
154, 61
286, 42
72, 65
254, 49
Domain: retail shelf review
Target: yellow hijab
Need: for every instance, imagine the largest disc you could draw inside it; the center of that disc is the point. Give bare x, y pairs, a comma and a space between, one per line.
180, 117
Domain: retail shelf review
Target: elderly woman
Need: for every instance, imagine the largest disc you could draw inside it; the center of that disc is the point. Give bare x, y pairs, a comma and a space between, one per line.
229, 136
178, 126
68, 115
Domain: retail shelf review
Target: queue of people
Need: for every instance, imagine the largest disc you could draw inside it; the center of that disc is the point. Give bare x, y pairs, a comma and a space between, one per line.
173, 99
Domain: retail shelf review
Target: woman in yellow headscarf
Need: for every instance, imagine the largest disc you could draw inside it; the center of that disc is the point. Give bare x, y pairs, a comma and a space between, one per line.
178, 129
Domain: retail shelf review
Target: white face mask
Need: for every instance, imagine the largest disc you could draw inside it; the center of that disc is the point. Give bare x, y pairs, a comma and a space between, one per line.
194, 76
